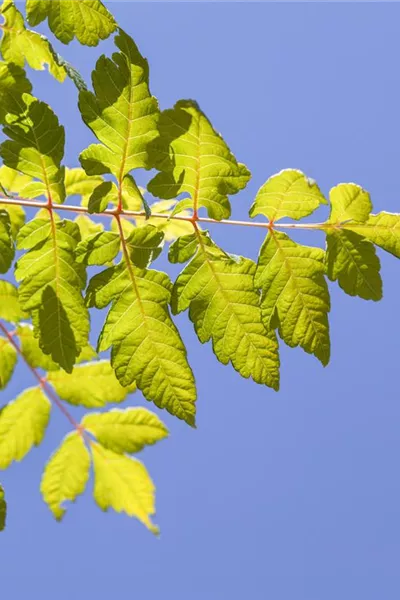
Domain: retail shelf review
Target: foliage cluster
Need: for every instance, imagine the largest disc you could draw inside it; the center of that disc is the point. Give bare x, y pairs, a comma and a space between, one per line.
72, 256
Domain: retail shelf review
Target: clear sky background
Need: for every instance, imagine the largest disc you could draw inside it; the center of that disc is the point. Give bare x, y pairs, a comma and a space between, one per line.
292, 495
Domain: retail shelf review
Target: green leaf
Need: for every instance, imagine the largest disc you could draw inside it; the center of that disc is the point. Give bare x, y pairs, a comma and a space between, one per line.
99, 248
171, 228
31, 350
101, 197
289, 193
3, 509
123, 483
51, 281
66, 474
349, 202
144, 245
10, 309
13, 84
78, 183
351, 260
36, 146
87, 20
20, 45
91, 385
87, 227
121, 113
23, 423
16, 215
382, 229
8, 360
224, 307
295, 296
146, 346
7, 250
128, 430
193, 158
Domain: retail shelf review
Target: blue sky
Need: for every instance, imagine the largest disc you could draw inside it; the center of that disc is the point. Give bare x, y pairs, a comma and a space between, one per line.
293, 495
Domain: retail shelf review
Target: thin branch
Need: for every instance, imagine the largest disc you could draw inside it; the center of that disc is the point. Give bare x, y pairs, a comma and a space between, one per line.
16, 201
41, 380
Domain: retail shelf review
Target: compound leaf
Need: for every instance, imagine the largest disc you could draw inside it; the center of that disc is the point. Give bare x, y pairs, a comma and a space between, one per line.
8, 360
51, 281
289, 193
23, 423
224, 307
295, 296
128, 430
66, 474
123, 483
146, 346
92, 385
193, 158
99, 248
87, 20
20, 45
31, 350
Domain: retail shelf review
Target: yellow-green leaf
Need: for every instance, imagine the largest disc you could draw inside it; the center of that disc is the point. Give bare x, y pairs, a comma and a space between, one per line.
78, 183
349, 202
66, 474
352, 261
7, 249
91, 385
8, 360
382, 229
295, 296
193, 158
224, 306
20, 45
123, 484
36, 146
10, 309
31, 350
128, 430
121, 113
87, 20
289, 193
99, 248
50, 289
146, 346
23, 423
87, 227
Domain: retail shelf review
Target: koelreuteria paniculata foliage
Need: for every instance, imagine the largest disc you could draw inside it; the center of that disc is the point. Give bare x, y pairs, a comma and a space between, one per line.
71, 257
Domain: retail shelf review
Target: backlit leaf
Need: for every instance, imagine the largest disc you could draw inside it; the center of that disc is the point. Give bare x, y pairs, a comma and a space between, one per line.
31, 349
23, 423
99, 248
128, 430
88, 20
382, 229
51, 281
8, 360
349, 202
36, 146
289, 193
10, 309
224, 307
193, 158
121, 113
66, 474
123, 484
20, 45
78, 183
295, 297
7, 250
146, 346
91, 385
